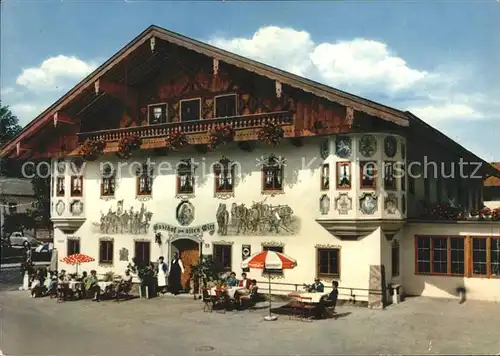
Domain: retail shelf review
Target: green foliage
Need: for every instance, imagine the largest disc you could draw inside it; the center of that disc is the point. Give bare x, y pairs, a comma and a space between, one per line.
41, 208
142, 270
9, 124
18, 222
206, 270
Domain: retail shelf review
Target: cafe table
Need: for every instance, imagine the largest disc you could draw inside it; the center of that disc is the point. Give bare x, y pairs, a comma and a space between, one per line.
307, 297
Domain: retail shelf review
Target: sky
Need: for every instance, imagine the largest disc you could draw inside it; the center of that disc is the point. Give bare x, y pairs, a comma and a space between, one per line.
438, 59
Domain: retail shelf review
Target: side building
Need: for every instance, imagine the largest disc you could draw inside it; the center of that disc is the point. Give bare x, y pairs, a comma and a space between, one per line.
173, 145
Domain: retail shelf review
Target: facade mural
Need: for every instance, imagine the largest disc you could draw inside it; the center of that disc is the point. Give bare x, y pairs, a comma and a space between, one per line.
258, 219
123, 254
368, 203
122, 221
324, 204
391, 204
343, 203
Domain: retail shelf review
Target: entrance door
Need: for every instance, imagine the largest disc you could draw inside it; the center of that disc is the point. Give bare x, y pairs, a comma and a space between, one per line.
189, 252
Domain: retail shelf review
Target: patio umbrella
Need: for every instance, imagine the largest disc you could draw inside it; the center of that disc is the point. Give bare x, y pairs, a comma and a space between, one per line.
269, 260
46, 247
77, 259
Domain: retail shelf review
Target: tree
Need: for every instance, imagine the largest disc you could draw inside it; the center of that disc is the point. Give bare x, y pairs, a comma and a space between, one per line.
18, 222
41, 189
9, 124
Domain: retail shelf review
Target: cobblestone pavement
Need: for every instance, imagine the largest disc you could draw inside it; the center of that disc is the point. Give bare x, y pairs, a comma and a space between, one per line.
178, 326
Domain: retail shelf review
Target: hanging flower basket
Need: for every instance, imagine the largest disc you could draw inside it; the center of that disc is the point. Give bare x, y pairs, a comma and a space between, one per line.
91, 150
271, 134
486, 213
176, 140
127, 145
495, 214
446, 212
221, 135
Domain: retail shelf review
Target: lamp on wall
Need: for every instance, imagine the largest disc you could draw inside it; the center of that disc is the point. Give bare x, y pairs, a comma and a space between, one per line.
158, 238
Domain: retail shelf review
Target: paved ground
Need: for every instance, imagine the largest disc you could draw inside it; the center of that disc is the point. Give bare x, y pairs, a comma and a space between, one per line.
178, 326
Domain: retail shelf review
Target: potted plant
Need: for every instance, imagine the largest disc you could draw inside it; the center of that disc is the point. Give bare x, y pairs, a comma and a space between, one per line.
127, 145
221, 135
271, 133
91, 150
145, 274
204, 273
176, 140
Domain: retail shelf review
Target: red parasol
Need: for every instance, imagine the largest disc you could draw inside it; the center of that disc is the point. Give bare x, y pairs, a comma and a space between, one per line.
269, 260
76, 259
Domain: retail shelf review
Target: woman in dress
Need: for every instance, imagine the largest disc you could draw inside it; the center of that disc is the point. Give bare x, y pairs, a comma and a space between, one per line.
162, 272
174, 277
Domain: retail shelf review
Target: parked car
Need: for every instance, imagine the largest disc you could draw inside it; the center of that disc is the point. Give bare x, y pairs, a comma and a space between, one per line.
18, 239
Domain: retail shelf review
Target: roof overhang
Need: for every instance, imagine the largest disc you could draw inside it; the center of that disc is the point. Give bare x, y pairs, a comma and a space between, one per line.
153, 32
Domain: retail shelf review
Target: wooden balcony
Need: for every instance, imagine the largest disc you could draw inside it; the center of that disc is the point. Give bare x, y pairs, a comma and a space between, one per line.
196, 131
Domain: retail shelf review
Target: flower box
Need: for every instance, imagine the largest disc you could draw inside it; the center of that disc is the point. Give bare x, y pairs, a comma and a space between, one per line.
176, 140
271, 134
127, 145
91, 150
221, 135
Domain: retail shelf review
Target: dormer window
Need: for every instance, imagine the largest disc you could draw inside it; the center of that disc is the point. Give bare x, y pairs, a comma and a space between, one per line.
272, 173
158, 114
224, 176
190, 110
145, 180
225, 105
185, 177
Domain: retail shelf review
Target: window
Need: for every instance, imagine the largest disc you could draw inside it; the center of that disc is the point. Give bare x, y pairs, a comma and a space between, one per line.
73, 247
343, 175
389, 178
185, 177
76, 186
222, 257
224, 176
145, 180
328, 262
368, 174
105, 252
427, 188
108, 182
325, 177
486, 256
272, 173
225, 105
190, 110
157, 114
143, 251
60, 186
395, 259
440, 255
275, 249
12, 208
403, 177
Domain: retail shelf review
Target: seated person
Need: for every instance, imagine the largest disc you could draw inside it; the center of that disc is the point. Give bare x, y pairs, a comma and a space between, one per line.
333, 296
82, 278
38, 287
62, 285
92, 286
316, 287
244, 282
51, 284
231, 280
253, 294
124, 285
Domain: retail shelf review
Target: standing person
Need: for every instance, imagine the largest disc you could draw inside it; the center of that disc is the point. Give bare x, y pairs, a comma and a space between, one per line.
174, 277
162, 273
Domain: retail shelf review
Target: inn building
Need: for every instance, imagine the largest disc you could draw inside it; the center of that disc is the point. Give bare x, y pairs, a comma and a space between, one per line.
173, 145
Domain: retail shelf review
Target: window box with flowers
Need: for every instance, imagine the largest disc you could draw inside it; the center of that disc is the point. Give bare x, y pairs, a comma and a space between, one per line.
91, 150
176, 140
271, 134
127, 145
221, 135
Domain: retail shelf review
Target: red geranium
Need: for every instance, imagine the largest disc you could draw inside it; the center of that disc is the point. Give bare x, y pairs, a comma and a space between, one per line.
128, 144
271, 133
221, 135
92, 149
176, 140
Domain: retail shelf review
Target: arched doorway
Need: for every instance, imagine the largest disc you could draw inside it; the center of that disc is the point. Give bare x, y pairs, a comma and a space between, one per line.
189, 251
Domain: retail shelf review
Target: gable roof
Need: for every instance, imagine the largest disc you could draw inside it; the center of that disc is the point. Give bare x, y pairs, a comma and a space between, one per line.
320, 90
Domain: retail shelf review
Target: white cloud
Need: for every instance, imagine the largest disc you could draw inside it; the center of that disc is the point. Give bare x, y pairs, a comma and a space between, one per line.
55, 73
364, 67
23, 110
6, 91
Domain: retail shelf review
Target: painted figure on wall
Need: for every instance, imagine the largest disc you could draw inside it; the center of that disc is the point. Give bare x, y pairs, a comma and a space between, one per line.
123, 221
257, 219
174, 277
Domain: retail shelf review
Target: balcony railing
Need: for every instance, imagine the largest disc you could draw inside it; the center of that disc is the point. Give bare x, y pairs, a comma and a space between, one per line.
191, 127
